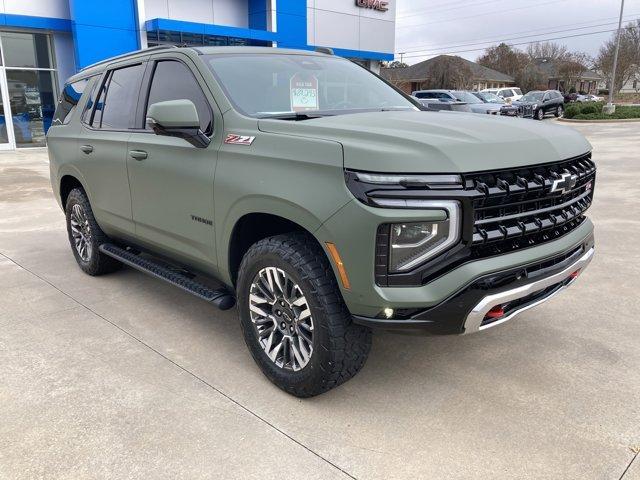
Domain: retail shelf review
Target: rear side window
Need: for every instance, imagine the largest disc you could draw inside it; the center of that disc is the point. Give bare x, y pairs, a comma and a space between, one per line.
68, 101
173, 80
118, 98
424, 95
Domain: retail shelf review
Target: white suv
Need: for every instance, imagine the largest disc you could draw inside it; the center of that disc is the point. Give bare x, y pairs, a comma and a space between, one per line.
511, 93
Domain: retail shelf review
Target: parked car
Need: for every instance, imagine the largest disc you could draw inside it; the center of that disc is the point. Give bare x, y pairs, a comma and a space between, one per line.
508, 93
489, 97
543, 102
513, 110
433, 99
326, 208
570, 97
593, 98
437, 100
582, 98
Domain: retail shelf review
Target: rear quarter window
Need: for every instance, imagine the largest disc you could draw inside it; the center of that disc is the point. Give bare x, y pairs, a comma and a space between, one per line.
71, 94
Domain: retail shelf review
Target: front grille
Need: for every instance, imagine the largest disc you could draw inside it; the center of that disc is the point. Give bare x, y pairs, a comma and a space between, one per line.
525, 111
514, 209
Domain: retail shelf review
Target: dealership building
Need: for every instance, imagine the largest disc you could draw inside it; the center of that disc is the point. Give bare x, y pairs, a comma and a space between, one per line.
42, 42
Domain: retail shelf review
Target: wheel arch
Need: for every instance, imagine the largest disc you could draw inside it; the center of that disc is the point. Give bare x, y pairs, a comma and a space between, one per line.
253, 227
67, 183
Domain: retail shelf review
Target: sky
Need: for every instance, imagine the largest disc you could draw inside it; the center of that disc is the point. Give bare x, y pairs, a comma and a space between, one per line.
426, 28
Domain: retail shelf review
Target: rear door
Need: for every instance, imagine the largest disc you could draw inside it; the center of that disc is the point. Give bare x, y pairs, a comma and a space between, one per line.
171, 180
102, 145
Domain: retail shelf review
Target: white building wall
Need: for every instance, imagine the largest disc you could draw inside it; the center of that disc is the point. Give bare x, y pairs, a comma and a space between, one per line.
342, 24
220, 12
36, 8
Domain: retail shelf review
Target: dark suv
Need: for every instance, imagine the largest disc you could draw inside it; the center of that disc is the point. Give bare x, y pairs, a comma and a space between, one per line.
543, 102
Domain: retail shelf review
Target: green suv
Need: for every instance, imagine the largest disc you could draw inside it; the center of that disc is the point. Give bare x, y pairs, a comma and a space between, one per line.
321, 199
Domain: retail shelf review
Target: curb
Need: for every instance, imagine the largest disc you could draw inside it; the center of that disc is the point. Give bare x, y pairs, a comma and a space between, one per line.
613, 120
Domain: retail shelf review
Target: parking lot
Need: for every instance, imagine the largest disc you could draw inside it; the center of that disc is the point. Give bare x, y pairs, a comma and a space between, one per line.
123, 376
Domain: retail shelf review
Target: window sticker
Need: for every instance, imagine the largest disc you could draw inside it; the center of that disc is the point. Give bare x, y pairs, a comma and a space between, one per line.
304, 93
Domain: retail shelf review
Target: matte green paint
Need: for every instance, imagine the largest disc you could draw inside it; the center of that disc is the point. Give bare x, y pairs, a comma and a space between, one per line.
174, 113
294, 170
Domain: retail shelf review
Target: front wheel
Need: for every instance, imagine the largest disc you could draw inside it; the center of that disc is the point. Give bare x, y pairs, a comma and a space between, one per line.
540, 114
559, 111
293, 317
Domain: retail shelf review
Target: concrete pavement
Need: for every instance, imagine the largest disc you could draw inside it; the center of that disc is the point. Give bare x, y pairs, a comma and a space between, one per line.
123, 376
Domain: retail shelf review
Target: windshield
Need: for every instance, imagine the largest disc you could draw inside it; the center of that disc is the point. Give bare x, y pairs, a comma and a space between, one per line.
532, 97
491, 97
466, 97
262, 85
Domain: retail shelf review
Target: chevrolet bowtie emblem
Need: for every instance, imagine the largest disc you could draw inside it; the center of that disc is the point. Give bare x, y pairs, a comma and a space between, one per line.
564, 184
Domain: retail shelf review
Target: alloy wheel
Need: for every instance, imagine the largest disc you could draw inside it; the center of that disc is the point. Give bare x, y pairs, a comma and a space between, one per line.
81, 232
282, 318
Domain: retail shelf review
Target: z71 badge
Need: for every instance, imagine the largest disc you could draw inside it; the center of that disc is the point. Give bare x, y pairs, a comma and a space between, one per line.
234, 139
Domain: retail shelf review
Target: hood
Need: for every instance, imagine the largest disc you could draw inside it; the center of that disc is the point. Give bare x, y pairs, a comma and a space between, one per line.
437, 142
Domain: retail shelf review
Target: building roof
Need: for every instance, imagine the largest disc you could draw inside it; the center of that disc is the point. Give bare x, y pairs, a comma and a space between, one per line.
549, 67
420, 72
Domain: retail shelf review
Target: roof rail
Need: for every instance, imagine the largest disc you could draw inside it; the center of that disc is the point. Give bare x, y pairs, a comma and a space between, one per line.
125, 55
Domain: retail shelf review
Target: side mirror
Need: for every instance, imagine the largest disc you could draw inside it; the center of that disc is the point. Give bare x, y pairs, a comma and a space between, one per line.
177, 118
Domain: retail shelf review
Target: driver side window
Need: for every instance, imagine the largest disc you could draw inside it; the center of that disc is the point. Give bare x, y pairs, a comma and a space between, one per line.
173, 80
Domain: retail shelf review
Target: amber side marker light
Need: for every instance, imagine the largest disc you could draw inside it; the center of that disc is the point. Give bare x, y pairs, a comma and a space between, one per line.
333, 251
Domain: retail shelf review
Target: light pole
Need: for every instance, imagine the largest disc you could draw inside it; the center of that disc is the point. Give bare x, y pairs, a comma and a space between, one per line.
610, 108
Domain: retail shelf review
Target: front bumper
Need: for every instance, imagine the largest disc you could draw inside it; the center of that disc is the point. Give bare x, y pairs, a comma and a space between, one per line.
495, 298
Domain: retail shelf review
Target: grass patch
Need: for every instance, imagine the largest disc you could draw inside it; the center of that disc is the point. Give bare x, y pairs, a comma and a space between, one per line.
593, 111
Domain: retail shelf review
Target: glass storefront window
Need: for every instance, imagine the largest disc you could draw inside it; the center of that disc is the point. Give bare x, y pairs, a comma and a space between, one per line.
26, 50
32, 100
4, 135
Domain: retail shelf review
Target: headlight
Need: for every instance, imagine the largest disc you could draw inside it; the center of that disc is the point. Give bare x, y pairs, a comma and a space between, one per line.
534, 106
412, 243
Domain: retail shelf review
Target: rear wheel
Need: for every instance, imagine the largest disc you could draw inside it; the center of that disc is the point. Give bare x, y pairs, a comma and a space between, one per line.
559, 111
294, 319
540, 114
85, 236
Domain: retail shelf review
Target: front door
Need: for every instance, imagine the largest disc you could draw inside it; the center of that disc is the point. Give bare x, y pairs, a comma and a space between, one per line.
171, 180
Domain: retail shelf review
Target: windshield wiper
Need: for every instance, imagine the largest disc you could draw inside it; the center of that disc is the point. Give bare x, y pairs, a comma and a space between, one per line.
293, 115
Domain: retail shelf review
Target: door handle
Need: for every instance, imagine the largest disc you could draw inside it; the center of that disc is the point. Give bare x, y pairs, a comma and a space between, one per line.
86, 149
138, 154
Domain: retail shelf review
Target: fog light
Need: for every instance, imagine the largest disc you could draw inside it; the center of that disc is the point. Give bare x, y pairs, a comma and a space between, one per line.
388, 312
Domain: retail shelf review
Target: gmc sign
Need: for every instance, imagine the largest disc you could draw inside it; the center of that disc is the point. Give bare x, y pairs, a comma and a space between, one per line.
373, 5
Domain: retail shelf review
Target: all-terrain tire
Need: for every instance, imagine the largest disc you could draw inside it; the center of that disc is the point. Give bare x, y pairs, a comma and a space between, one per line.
340, 347
96, 263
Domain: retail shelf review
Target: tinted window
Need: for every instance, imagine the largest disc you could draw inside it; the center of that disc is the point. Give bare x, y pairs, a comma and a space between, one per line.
424, 95
174, 81
68, 101
506, 93
118, 100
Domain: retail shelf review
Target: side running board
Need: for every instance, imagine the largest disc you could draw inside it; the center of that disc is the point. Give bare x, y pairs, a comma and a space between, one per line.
220, 298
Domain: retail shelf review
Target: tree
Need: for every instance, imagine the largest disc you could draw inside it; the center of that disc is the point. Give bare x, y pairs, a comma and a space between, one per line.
396, 64
531, 78
449, 72
548, 50
628, 56
571, 67
505, 59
